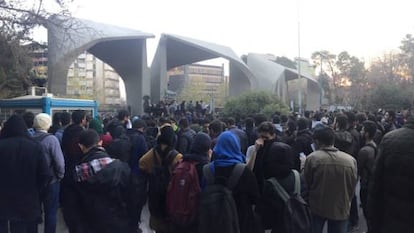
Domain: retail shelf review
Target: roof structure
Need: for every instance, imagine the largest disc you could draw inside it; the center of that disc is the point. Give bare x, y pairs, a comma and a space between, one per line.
122, 48
174, 50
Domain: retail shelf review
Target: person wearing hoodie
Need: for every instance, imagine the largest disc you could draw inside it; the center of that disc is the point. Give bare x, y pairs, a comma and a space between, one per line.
104, 188
227, 154
24, 175
279, 165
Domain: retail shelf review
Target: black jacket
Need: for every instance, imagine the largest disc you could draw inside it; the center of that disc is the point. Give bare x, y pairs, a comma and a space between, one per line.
390, 197
105, 196
246, 194
120, 148
23, 175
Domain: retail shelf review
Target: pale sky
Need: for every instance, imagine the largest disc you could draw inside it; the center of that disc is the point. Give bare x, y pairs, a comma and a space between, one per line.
364, 28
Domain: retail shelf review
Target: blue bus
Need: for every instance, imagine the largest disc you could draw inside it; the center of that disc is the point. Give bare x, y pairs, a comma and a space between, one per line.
45, 104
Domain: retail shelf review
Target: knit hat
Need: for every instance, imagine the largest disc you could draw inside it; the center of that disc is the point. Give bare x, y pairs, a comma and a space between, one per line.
167, 136
201, 143
42, 121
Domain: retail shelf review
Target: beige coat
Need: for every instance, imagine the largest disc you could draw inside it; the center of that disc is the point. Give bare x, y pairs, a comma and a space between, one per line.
331, 177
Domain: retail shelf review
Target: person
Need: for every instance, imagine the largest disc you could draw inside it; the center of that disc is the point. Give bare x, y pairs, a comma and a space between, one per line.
227, 154
65, 119
343, 138
120, 146
200, 155
56, 164
138, 149
390, 203
162, 157
103, 187
366, 160
331, 177
302, 146
279, 165
389, 121
72, 155
241, 135
28, 118
185, 136
267, 137
56, 123
214, 130
24, 175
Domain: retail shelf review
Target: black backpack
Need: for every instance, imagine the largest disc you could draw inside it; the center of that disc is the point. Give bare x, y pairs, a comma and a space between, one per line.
218, 211
296, 214
158, 182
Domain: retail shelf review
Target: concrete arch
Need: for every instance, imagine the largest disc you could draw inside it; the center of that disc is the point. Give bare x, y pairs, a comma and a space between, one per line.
274, 77
123, 49
174, 50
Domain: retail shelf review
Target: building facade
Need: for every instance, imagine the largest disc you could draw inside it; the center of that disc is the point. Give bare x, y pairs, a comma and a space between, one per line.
198, 82
88, 77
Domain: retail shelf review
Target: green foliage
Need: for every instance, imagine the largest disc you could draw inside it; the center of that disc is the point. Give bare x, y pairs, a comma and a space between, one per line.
388, 96
284, 61
251, 103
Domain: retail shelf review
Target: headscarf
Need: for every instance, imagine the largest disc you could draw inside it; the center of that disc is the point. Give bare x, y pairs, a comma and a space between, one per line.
278, 162
14, 127
227, 150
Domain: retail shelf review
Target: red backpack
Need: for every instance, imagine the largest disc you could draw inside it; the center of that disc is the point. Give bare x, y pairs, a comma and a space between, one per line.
183, 194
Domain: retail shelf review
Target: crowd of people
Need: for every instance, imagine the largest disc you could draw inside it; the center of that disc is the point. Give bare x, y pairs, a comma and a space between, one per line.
204, 174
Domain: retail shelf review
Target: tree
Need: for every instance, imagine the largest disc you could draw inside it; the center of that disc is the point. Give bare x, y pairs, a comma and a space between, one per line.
19, 17
252, 103
194, 89
284, 61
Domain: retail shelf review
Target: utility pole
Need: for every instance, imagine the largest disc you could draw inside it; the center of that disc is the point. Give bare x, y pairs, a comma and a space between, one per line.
299, 63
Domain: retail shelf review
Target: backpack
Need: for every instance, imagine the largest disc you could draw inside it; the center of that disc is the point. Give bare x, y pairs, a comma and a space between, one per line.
183, 194
218, 211
157, 184
296, 213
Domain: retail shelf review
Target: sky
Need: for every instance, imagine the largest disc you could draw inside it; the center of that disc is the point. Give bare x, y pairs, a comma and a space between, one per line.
365, 28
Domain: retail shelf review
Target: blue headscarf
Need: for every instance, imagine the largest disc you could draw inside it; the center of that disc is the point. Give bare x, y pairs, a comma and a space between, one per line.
227, 150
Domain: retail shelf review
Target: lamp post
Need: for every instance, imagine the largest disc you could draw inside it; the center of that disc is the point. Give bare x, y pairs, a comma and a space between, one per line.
299, 63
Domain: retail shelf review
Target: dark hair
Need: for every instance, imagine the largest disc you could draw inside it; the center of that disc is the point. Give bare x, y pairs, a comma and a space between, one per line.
230, 121
122, 114
78, 116
57, 118
65, 118
302, 123
266, 127
14, 127
259, 118
138, 123
370, 127
249, 122
89, 138
361, 117
183, 123
351, 117
391, 114
325, 136
28, 118
276, 119
341, 120
216, 126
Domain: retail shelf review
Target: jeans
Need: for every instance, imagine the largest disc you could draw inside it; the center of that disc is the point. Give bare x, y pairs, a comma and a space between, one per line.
334, 226
50, 206
15, 226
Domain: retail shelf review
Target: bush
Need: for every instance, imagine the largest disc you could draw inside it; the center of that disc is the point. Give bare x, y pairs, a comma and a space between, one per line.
252, 103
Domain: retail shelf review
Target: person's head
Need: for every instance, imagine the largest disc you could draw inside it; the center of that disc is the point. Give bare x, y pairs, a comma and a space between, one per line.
42, 122
266, 130
228, 148
351, 118
279, 161
215, 128
88, 139
324, 137
139, 124
96, 124
167, 136
369, 129
389, 116
123, 115
259, 118
341, 121
65, 118
28, 118
249, 123
230, 121
79, 117
56, 119
183, 123
14, 127
201, 143
302, 124
276, 119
